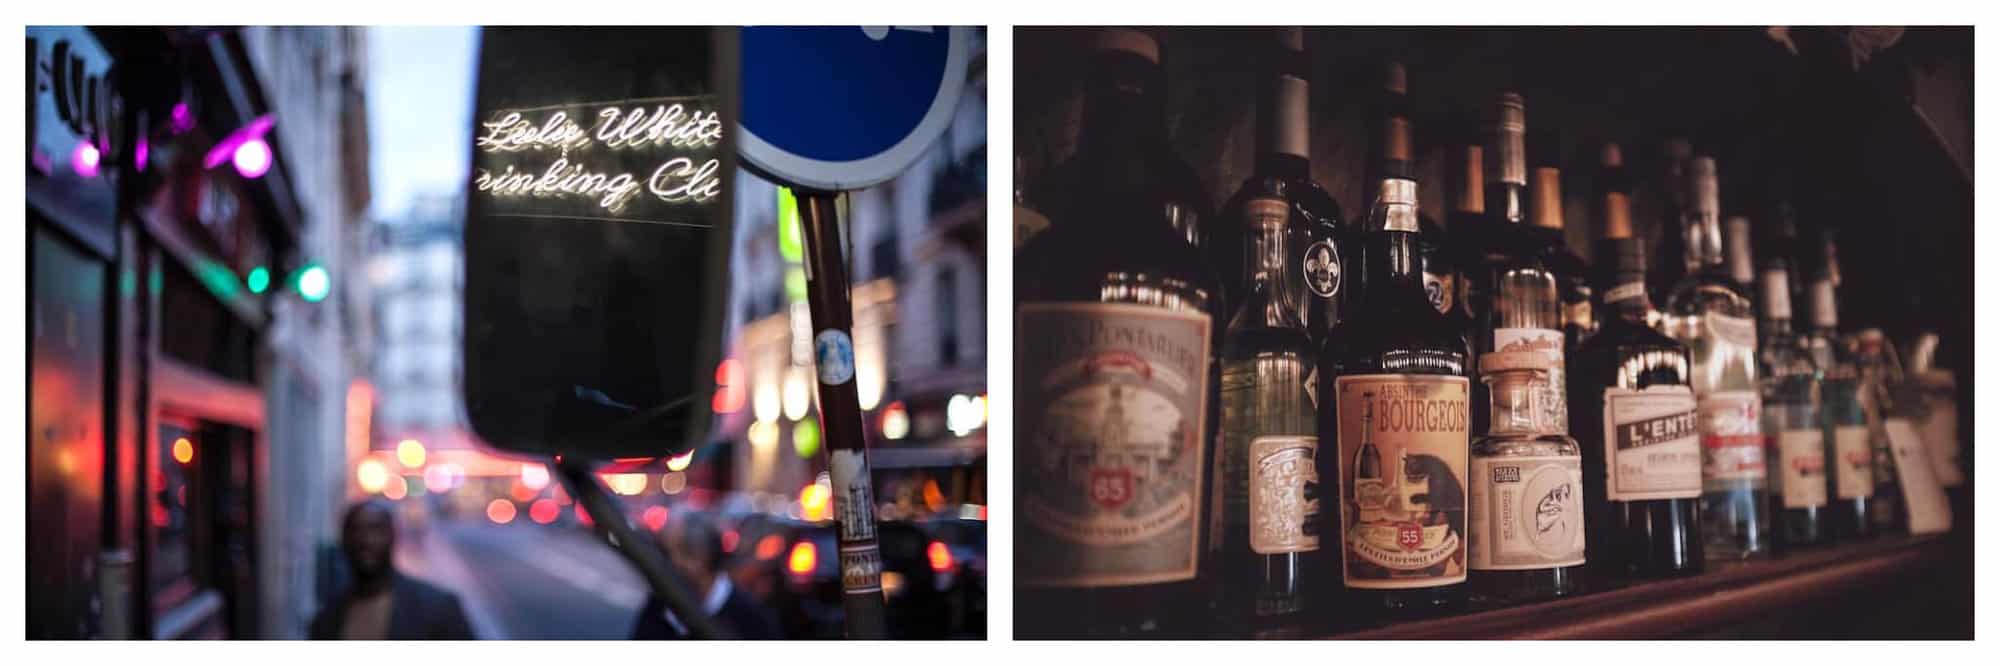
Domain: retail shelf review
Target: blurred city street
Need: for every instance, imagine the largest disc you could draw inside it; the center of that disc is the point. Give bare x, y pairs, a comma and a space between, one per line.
528, 582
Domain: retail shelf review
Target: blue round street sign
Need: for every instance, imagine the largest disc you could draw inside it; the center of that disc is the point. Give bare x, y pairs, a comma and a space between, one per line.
843, 108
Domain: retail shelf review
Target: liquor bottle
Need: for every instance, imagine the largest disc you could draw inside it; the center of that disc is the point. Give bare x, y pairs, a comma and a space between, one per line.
1851, 482
1545, 215
1881, 375
1667, 269
1797, 446
1269, 441
1116, 351
1510, 293
1633, 413
1715, 319
1124, 106
1393, 376
1283, 172
1027, 221
1393, 154
1526, 526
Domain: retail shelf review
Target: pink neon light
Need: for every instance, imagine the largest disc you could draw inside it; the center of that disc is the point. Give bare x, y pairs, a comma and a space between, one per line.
225, 149
84, 159
253, 158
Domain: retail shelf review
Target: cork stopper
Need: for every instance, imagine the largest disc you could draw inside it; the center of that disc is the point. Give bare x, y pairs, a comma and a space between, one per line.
1130, 41
1497, 362
1617, 205
1545, 208
1472, 181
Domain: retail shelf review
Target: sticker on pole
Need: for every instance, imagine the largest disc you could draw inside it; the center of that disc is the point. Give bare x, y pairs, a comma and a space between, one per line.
843, 108
833, 353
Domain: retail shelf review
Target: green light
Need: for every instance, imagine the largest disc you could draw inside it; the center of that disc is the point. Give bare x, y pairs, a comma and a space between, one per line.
259, 279
795, 284
314, 283
789, 245
805, 438
218, 278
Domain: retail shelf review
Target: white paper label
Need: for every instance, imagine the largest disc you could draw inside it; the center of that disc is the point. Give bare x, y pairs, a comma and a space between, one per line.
1853, 463
1940, 431
1930, 512
1732, 438
1802, 468
1652, 444
1527, 512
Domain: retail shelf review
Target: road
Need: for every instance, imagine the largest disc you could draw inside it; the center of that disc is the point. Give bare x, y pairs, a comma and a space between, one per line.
529, 582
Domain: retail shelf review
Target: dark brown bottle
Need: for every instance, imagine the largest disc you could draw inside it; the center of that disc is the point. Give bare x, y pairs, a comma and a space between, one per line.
1642, 469
1117, 330
1394, 377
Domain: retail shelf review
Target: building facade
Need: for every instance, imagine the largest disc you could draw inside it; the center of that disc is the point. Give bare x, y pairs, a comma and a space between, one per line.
189, 191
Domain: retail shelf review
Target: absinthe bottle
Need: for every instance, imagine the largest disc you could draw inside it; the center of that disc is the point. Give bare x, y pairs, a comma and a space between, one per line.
1527, 519
1632, 411
1393, 378
1116, 413
1708, 312
1283, 172
1269, 443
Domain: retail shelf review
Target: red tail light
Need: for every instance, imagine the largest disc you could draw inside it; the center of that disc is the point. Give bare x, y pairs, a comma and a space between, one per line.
805, 557
940, 556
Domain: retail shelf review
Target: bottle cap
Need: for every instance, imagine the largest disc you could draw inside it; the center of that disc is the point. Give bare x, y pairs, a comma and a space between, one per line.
1610, 156
1395, 79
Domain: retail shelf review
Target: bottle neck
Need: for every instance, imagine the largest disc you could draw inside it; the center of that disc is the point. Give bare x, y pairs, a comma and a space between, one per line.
1282, 127
1701, 218
1777, 292
1123, 104
1266, 247
1516, 402
1507, 194
1825, 310
1547, 210
1738, 251
1390, 259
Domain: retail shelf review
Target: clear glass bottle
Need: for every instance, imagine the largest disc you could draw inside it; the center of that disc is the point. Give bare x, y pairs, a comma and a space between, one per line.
1717, 321
1797, 447
1881, 378
1851, 482
1526, 533
1283, 170
1512, 295
1269, 443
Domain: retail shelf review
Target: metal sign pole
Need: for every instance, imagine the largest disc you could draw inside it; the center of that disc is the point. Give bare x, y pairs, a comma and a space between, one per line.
840, 414
651, 563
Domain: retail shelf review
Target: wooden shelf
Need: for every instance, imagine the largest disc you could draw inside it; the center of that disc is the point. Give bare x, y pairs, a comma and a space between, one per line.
1727, 593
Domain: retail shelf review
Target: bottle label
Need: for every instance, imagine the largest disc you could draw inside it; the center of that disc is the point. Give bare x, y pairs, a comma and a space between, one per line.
1652, 444
1284, 495
1802, 468
1527, 512
1940, 428
1402, 463
1854, 463
1113, 402
1732, 437
1549, 343
1322, 268
1440, 288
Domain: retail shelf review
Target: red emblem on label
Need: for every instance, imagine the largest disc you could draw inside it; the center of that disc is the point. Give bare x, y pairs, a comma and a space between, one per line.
1110, 488
1409, 536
